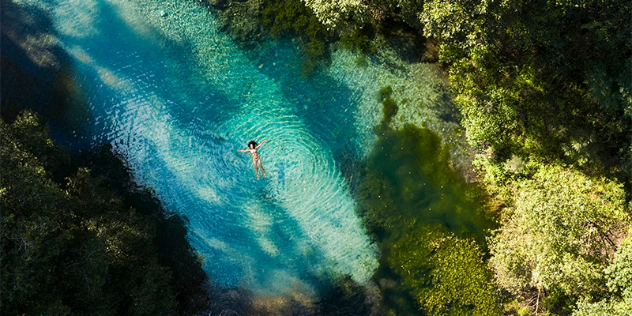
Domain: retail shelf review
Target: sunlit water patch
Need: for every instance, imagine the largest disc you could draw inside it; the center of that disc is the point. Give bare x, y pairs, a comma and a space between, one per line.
178, 99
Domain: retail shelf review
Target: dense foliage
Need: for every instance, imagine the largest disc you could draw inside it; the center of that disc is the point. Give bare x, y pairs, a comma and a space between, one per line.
542, 80
618, 298
543, 84
560, 234
72, 245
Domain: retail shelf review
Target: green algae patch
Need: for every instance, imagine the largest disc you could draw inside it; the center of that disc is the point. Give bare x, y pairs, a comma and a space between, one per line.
447, 274
429, 223
389, 106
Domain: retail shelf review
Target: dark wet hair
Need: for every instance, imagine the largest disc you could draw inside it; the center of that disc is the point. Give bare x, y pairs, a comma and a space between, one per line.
253, 143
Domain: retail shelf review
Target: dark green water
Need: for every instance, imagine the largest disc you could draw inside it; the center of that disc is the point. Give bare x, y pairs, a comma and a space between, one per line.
409, 191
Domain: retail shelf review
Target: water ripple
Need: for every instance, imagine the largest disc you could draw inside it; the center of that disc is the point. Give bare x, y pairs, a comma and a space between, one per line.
178, 99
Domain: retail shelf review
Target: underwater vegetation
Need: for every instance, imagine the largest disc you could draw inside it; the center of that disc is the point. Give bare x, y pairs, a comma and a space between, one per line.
447, 274
409, 171
252, 22
430, 225
389, 106
359, 39
292, 17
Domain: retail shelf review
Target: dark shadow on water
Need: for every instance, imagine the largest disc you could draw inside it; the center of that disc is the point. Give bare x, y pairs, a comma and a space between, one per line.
37, 73
325, 106
340, 297
343, 296
406, 182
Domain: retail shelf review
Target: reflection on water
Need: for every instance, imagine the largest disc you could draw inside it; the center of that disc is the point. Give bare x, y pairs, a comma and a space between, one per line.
177, 98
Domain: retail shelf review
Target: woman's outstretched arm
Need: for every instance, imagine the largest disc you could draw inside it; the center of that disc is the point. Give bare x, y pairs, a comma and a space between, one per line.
263, 142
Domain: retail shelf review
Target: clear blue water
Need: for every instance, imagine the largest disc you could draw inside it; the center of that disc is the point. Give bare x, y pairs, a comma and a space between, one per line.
178, 98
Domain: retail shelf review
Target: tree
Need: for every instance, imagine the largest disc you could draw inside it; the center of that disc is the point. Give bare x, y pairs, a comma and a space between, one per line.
70, 247
548, 79
31, 237
332, 13
618, 301
560, 233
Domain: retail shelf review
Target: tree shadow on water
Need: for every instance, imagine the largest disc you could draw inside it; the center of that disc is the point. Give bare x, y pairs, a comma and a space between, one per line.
407, 185
325, 106
36, 72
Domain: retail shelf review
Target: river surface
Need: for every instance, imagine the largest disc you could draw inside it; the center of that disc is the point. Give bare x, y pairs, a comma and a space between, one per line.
177, 98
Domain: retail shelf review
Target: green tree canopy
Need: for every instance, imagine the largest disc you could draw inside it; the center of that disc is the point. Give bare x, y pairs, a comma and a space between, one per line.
618, 301
550, 79
560, 233
332, 12
71, 247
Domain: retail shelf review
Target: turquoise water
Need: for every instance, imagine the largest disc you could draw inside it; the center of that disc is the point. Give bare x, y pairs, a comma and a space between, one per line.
178, 98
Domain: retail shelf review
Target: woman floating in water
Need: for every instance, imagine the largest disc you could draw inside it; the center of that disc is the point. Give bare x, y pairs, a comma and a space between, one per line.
256, 161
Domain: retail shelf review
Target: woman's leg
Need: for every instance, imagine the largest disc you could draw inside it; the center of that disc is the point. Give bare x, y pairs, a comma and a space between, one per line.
261, 166
254, 163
